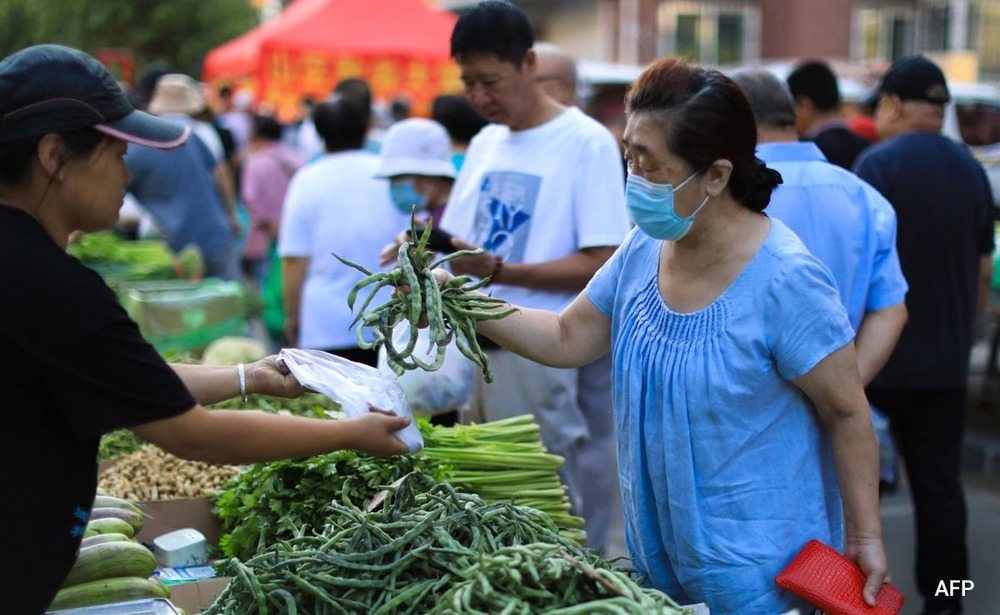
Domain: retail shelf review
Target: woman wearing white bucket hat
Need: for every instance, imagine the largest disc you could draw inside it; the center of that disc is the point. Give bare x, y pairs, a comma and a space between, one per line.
416, 158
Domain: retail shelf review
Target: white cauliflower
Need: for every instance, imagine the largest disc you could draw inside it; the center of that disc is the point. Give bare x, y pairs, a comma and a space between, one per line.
233, 350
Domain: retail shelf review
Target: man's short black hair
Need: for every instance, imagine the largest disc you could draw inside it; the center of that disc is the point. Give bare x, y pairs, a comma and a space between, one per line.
816, 81
358, 90
496, 28
341, 122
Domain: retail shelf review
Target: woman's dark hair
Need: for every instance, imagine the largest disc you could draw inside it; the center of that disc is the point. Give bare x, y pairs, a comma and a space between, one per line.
266, 127
458, 117
707, 118
342, 123
16, 156
496, 28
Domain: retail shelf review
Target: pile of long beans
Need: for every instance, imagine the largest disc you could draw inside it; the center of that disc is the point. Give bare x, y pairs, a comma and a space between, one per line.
546, 578
402, 558
450, 310
505, 461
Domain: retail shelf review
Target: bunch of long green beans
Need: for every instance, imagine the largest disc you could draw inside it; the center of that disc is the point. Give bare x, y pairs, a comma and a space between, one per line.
450, 310
505, 461
402, 558
546, 578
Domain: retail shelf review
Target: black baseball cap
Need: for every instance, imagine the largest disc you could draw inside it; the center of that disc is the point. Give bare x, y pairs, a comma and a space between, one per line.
915, 78
48, 89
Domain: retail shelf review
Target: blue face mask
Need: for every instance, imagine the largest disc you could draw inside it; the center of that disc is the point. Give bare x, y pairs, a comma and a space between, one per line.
405, 196
652, 208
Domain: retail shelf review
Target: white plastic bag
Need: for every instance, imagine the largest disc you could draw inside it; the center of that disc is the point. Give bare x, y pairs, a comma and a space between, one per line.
353, 385
447, 388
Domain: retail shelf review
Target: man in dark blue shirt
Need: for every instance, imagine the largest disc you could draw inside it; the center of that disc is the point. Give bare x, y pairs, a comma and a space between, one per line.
945, 240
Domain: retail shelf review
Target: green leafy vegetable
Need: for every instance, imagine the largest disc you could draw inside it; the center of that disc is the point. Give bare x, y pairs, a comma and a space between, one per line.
275, 501
118, 443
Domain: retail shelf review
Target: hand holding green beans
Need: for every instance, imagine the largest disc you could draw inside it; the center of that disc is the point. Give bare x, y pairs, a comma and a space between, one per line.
448, 306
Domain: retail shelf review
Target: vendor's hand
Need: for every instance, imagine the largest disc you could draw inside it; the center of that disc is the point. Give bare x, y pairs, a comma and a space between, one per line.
480, 265
264, 377
389, 252
869, 555
375, 433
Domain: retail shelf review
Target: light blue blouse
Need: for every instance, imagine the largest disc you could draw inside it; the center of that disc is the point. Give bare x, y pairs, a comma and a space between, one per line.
726, 469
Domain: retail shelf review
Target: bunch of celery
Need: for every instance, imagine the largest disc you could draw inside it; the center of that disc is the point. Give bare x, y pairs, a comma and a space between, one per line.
505, 461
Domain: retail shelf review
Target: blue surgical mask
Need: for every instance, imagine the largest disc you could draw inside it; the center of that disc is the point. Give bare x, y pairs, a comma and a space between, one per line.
651, 206
405, 196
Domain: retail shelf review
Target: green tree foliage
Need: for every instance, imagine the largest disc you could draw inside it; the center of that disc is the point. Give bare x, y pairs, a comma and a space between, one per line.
178, 32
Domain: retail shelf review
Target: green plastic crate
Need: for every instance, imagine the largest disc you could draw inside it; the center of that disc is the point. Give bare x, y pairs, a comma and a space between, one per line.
186, 315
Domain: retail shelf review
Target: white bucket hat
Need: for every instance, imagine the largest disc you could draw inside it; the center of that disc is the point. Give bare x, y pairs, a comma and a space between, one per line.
176, 93
416, 146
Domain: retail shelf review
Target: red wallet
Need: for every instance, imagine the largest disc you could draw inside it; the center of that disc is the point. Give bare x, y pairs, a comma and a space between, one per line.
833, 583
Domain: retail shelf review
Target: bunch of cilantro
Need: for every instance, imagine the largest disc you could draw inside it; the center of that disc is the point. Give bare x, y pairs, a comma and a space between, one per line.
275, 501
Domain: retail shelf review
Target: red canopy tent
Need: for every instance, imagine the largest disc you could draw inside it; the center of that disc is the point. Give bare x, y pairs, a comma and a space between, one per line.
401, 47
238, 57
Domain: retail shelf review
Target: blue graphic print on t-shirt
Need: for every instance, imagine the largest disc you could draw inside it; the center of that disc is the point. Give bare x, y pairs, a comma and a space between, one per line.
507, 201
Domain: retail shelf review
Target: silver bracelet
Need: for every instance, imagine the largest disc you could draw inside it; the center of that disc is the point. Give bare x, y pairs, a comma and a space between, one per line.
243, 381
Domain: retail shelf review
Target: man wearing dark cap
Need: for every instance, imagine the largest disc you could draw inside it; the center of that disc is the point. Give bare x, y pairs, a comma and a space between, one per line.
817, 111
945, 239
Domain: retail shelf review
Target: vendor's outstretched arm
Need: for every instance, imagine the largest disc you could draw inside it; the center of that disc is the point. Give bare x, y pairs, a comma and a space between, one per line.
247, 436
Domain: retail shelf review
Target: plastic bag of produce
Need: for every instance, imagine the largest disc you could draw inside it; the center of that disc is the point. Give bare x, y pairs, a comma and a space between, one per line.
353, 385
447, 388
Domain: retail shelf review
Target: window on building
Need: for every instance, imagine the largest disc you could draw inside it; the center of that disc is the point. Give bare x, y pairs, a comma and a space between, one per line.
688, 36
710, 31
984, 30
885, 33
901, 38
731, 37
938, 27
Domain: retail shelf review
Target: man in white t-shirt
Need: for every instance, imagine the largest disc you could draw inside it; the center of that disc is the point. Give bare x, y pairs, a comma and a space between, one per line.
333, 205
541, 192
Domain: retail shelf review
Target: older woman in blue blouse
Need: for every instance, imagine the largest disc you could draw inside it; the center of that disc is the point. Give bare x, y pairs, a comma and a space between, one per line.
743, 430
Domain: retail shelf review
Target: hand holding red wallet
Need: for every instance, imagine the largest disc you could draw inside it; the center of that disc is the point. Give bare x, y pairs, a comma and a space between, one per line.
835, 584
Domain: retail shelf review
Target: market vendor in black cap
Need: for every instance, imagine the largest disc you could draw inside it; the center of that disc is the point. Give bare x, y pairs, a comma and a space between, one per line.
945, 241
72, 364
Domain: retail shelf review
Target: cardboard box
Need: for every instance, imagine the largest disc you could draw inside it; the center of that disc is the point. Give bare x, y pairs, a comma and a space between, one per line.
197, 596
166, 516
